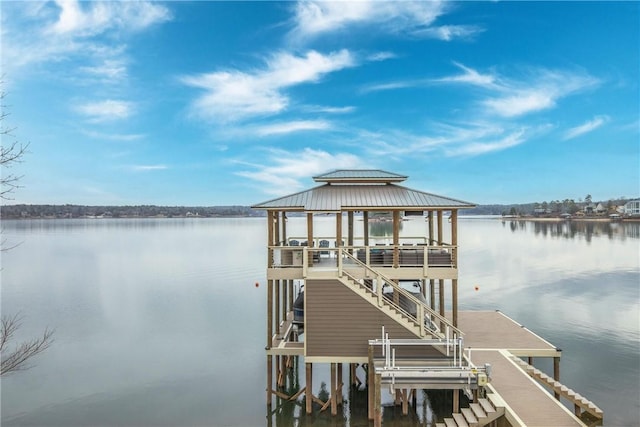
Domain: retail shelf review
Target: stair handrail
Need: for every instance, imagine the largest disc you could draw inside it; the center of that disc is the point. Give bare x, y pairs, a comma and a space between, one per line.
401, 291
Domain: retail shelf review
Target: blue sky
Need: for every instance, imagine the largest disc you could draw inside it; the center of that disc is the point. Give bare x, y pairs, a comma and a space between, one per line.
220, 103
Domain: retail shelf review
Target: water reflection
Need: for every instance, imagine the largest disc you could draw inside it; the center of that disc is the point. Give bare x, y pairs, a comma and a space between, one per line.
573, 229
158, 322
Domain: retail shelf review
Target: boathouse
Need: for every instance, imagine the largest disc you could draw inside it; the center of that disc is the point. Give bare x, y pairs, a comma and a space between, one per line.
387, 305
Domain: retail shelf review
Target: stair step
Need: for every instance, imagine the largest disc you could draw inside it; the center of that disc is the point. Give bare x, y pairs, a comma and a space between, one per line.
478, 411
441, 425
469, 416
486, 406
459, 419
450, 422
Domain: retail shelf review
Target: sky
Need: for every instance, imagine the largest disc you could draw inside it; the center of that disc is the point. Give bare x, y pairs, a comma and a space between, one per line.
234, 103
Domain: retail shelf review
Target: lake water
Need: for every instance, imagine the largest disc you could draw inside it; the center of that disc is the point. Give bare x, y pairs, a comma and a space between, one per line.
159, 322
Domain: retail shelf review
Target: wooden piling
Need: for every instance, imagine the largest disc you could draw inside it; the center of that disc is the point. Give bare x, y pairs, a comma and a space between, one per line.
309, 387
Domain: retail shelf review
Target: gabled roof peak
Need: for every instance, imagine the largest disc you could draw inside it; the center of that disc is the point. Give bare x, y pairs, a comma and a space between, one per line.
351, 176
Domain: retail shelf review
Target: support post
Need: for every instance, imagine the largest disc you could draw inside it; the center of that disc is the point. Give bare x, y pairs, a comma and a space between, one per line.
370, 385
441, 295
396, 238
454, 301
556, 374
365, 220
334, 386
405, 402
269, 379
430, 224
440, 227
377, 416
339, 394
310, 235
350, 229
339, 229
456, 401
309, 388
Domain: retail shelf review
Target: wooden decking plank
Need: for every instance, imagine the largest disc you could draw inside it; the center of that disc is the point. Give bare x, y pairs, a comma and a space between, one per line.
532, 404
495, 330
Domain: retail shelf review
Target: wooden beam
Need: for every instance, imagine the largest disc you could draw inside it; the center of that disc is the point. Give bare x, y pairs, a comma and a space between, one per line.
339, 230
309, 387
454, 301
310, 234
440, 227
456, 401
365, 221
556, 374
339, 394
269, 312
430, 223
396, 238
334, 401
405, 402
377, 417
370, 385
269, 379
269, 238
350, 228
454, 235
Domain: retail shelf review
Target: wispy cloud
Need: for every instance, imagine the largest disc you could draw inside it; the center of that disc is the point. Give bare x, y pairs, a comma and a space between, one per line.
107, 110
540, 90
291, 127
147, 168
312, 18
37, 33
331, 110
449, 32
235, 95
470, 76
283, 172
114, 136
586, 127
476, 148
90, 18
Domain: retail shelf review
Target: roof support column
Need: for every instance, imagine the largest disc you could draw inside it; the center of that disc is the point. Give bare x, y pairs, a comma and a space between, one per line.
339, 230
350, 228
396, 238
310, 235
440, 228
284, 228
430, 221
365, 222
454, 236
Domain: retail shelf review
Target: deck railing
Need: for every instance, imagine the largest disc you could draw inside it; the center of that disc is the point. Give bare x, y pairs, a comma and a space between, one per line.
440, 256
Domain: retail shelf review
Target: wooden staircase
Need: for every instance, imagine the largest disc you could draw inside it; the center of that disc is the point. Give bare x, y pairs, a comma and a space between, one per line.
424, 322
482, 413
580, 402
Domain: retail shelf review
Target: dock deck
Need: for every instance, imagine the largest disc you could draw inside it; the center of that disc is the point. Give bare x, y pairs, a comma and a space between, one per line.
493, 338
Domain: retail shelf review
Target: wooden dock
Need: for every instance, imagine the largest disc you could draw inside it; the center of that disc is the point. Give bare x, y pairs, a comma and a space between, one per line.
498, 340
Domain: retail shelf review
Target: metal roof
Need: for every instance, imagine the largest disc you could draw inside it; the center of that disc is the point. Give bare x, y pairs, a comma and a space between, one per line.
359, 175
334, 198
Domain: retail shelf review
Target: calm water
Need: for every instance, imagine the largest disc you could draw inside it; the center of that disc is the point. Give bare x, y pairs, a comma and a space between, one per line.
159, 322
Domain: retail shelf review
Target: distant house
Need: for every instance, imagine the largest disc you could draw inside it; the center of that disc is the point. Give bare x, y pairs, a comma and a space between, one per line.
589, 209
632, 208
601, 209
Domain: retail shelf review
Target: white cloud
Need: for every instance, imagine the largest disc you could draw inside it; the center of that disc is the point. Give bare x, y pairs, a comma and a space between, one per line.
449, 32
470, 76
90, 18
587, 127
539, 90
283, 172
107, 110
147, 168
313, 18
293, 126
114, 136
235, 95
331, 110
476, 148
42, 33
381, 56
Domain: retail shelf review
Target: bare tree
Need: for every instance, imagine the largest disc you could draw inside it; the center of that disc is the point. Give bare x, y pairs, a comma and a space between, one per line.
16, 359
11, 152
